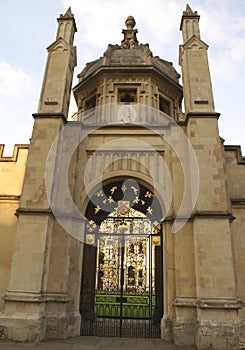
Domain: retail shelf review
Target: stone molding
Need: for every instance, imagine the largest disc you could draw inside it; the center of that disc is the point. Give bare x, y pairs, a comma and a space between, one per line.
49, 212
9, 198
38, 297
149, 69
198, 115
238, 202
50, 115
208, 303
34, 211
230, 304
201, 213
185, 302
125, 152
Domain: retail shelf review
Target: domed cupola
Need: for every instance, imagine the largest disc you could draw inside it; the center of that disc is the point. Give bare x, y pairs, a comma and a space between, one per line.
129, 73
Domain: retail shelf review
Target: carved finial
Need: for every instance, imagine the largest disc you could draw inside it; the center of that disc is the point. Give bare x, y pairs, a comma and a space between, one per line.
130, 40
188, 9
130, 22
68, 14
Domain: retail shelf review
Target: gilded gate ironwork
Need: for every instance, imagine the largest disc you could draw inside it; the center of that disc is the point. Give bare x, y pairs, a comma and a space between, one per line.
122, 296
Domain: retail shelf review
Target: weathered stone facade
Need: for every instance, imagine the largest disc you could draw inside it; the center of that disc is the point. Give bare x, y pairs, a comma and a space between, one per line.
129, 125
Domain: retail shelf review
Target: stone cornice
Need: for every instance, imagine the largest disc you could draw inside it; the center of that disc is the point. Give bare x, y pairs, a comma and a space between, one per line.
151, 127
109, 70
34, 211
206, 214
238, 202
49, 212
125, 151
50, 116
211, 213
202, 115
198, 115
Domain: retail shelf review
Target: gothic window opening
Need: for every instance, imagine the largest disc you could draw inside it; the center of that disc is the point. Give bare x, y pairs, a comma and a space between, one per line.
90, 103
127, 96
164, 105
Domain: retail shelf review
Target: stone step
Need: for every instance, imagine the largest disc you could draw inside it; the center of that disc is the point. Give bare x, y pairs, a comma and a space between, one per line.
93, 343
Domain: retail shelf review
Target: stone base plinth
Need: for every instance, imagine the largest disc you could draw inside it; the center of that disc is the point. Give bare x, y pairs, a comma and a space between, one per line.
22, 329
63, 326
167, 328
184, 332
35, 330
217, 336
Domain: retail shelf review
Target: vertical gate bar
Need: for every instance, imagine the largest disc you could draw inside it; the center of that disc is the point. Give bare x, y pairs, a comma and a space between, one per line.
122, 283
150, 286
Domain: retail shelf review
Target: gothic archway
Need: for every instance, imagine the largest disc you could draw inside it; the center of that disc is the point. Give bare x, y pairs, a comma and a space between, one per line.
122, 278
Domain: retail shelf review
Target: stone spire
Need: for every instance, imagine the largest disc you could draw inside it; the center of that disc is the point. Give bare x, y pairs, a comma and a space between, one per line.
189, 10
130, 39
197, 86
67, 27
189, 24
56, 89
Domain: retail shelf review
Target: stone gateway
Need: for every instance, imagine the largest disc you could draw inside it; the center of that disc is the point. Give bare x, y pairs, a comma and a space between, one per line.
129, 219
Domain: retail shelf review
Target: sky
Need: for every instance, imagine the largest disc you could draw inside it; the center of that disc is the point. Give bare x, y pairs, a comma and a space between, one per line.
28, 27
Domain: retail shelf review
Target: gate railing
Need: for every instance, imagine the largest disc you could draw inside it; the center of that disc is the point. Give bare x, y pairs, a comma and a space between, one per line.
134, 306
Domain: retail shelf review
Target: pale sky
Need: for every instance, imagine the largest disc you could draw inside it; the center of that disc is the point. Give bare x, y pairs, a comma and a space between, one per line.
28, 27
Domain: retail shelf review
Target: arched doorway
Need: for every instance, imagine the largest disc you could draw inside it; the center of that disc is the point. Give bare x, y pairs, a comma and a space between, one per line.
122, 279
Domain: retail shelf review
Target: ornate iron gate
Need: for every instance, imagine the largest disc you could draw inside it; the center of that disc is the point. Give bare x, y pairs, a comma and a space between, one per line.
122, 296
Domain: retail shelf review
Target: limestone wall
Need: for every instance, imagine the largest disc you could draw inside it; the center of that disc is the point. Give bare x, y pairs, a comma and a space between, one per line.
12, 171
234, 165
235, 177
